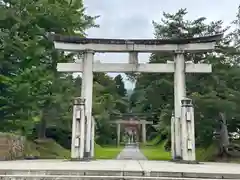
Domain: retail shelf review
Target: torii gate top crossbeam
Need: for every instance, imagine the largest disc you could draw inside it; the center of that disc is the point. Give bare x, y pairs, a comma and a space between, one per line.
71, 43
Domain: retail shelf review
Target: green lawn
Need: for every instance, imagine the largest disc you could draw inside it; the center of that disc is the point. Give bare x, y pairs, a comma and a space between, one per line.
46, 149
156, 152
49, 149
108, 152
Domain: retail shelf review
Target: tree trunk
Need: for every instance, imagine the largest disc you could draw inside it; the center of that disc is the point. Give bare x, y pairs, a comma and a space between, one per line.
42, 125
224, 139
224, 131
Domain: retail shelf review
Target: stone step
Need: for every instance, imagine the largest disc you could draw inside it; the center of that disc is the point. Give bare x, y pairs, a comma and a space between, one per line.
62, 177
91, 174
118, 169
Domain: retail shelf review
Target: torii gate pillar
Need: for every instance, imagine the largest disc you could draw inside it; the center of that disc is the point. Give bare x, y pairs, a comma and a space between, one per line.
144, 133
118, 134
179, 94
87, 93
85, 126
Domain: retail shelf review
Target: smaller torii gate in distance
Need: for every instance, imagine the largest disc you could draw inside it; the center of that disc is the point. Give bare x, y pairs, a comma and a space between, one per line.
142, 123
178, 47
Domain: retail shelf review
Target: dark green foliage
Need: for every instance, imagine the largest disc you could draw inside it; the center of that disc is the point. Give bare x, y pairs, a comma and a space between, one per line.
33, 95
211, 93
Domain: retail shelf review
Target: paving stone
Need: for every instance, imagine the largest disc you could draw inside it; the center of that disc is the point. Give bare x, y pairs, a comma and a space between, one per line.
131, 153
118, 168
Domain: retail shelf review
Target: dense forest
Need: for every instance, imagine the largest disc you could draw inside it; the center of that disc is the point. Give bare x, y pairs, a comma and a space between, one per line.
36, 100
215, 96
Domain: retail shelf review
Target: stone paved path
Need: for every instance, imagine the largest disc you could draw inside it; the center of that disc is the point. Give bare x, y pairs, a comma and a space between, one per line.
131, 153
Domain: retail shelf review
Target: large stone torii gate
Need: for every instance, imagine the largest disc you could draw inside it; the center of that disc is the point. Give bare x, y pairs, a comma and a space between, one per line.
179, 67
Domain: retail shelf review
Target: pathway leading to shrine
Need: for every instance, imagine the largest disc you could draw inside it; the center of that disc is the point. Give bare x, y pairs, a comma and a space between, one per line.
131, 152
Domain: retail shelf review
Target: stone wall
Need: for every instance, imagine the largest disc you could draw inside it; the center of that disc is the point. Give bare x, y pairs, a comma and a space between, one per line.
11, 146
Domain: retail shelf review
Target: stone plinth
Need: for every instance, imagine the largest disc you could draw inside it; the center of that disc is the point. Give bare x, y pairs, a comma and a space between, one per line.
11, 146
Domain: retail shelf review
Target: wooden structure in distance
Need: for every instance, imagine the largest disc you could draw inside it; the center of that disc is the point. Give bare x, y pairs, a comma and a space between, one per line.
143, 124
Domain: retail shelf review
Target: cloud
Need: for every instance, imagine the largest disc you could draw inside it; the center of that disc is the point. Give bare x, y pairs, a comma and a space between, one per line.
120, 18
133, 18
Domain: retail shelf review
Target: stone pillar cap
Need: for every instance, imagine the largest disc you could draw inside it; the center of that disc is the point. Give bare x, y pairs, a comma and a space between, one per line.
79, 101
186, 101
89, 51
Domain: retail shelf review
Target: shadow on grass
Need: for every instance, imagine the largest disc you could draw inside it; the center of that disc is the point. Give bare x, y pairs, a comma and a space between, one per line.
107, 152
155, 152
45, 149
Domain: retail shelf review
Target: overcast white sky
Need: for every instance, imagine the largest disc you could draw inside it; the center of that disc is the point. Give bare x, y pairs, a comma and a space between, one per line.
133, 18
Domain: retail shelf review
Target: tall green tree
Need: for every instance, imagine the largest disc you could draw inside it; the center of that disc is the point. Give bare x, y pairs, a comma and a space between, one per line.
28, 58
33, 94
120, 85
